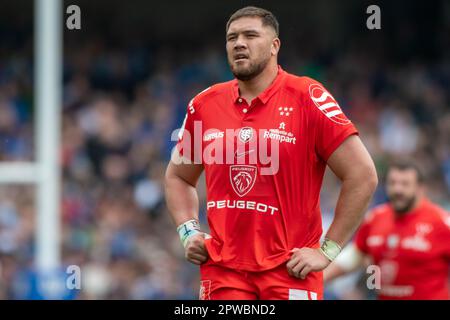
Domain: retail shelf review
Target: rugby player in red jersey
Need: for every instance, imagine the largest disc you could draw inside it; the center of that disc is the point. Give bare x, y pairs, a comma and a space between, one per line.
408, 238
263, 211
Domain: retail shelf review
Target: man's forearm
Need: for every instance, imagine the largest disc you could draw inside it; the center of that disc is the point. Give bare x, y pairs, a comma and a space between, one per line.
332, 272
350, 259
353, 201
182, 202
181, 199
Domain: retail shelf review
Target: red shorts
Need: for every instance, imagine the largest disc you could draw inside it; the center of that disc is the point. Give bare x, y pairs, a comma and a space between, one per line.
221, 283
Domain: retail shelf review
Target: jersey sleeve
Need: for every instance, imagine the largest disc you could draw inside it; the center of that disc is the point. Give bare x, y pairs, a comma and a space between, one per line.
443, 234
190, 135
331, 125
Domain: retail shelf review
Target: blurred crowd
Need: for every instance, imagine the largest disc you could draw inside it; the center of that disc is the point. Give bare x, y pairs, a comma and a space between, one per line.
120, 107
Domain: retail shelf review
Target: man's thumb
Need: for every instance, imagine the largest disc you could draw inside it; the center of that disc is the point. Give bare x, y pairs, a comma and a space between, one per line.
206, 235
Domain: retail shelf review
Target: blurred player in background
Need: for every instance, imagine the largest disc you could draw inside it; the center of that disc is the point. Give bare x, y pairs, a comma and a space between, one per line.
265, 228
408, 238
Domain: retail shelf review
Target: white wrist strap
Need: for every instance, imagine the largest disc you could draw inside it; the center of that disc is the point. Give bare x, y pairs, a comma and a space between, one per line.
330, 249
188, 229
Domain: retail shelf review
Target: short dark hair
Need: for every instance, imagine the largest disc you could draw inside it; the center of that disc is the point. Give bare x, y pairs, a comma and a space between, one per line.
267, 17
407, 164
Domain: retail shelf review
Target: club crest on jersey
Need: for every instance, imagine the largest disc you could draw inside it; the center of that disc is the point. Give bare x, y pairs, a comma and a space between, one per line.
389, 271
325, 102
245, 134
242, 178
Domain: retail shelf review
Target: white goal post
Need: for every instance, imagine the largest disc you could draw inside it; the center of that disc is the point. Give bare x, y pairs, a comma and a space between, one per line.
45, 172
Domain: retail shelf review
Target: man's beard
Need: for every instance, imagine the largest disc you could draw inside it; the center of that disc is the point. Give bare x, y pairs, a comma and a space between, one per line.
406, 207
251, 72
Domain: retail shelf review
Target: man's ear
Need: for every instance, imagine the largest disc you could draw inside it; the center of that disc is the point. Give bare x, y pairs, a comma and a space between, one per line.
275, 46
422, 189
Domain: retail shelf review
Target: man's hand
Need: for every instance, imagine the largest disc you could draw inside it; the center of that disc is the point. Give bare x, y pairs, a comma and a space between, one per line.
305, 260
195, 251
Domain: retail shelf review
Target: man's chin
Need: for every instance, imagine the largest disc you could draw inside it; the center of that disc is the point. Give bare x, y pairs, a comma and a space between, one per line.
243, 75
403, 208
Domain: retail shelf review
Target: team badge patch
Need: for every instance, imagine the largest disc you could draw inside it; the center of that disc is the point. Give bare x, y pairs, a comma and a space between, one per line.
242, 178
245, 134
325, 102
205, 290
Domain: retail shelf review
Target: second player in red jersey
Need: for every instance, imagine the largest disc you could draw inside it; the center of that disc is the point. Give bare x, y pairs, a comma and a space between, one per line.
407, 238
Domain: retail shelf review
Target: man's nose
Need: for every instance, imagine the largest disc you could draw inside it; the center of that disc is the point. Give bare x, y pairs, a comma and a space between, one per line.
240, 43
398, 189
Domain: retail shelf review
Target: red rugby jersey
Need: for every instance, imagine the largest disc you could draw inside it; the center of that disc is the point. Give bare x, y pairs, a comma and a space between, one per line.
256, 218
412, 251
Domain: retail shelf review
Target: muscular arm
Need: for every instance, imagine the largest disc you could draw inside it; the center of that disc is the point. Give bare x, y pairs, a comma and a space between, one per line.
181, 195
182, 201
352, 164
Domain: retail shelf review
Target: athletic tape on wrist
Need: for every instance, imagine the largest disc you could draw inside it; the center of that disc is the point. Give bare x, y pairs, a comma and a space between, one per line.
330, 249
188, 229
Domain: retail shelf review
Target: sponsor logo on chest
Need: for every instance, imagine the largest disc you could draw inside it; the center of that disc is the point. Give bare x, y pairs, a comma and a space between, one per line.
242, 178
415, 242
